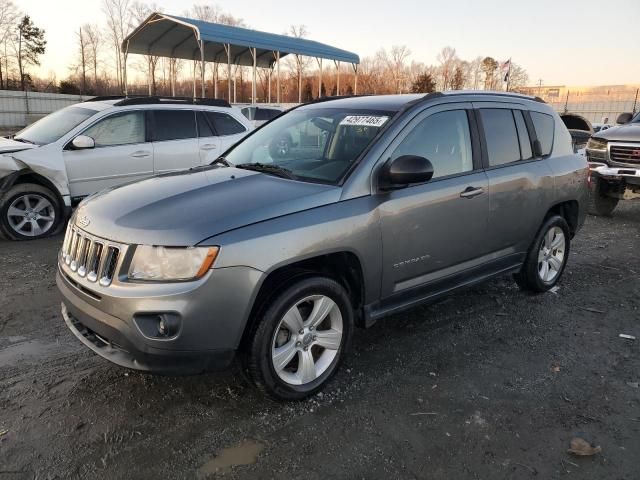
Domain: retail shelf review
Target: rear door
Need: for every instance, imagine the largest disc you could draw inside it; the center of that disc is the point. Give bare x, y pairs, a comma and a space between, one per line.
437, 229
175, 140
209, 143
520, 184
122, 153
227, 128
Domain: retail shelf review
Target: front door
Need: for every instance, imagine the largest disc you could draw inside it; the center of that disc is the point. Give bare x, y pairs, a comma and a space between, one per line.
437, 229
121, 154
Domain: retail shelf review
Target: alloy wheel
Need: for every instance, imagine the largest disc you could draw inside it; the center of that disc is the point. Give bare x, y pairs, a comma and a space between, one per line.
31, 215
307, 340
551, 254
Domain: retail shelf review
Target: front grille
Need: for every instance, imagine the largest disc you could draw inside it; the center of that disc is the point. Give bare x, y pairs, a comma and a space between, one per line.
625, 154
89, 256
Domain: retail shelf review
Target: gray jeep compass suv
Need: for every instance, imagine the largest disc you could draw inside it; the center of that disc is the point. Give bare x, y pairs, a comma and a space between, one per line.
383, 203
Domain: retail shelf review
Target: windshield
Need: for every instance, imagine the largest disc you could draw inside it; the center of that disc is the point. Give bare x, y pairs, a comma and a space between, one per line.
55, 125
314, 145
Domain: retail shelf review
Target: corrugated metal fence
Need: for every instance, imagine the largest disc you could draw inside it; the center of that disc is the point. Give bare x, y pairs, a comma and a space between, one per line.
18, 109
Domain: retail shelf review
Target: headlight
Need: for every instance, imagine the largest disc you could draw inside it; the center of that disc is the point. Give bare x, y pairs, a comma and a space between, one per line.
596, 144
171, 263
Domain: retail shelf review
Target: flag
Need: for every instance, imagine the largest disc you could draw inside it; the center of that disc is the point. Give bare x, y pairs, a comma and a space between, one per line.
506, 70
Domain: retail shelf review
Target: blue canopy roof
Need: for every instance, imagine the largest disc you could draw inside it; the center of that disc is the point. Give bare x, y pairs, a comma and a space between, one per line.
179, 37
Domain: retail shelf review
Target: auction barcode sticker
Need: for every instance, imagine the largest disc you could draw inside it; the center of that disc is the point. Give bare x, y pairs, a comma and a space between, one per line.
364, 120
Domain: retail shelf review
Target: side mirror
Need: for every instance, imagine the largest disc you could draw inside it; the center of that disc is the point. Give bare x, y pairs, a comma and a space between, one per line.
82, 142
624, 118
404, 170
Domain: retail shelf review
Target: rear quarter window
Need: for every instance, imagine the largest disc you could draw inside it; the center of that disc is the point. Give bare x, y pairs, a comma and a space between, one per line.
225, 124
544, 126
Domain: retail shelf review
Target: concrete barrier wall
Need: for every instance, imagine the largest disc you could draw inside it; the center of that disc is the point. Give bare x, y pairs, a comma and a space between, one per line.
18, 109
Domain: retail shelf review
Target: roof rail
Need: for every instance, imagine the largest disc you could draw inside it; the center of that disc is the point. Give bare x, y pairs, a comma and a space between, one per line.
336, 97
214, 102
102, 98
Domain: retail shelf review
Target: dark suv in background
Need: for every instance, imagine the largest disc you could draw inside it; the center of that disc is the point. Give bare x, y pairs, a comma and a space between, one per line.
383, 203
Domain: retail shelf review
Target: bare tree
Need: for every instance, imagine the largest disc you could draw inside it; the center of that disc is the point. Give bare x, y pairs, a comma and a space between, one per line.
448, 60
117, 13
396, 65
138, 13
92, 40
82, 60
518, 77
489, 67
300, 63
8, 18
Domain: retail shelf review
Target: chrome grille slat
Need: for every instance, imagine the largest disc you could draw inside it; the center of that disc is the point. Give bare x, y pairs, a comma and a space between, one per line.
625, 154
89, 256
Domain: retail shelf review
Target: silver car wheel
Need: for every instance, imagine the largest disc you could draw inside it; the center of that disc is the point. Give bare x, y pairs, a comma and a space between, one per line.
31, 215
551, 254
307, 340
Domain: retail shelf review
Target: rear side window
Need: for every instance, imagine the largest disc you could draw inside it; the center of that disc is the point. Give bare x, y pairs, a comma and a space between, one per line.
174, 125
204, 129
543, 124
501, 136
523, 135
225, 124
120, 129
266, 114
444, 139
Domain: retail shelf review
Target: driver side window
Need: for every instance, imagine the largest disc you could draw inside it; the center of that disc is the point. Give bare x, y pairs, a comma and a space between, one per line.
120, 129
444, 139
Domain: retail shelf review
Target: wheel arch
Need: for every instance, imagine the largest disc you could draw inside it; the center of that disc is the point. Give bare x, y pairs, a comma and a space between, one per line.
27, 175
570, 211
344, 267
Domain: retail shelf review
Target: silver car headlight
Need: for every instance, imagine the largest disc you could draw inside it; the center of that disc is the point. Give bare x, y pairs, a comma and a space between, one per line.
596, 144
160, 264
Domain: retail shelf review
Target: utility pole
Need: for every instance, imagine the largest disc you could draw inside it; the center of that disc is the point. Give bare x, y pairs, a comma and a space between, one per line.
540, 87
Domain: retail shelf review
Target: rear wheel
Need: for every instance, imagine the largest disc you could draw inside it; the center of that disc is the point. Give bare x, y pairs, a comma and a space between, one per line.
300, 339
547, 256
29, 211
600, 204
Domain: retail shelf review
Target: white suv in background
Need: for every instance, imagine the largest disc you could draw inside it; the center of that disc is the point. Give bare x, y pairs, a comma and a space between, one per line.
104, 142
259, 115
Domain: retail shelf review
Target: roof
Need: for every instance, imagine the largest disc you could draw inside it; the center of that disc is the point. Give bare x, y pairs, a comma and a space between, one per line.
173, 36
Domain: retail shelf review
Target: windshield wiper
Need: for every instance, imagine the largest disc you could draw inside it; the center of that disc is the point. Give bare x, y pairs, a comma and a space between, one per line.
221, 161
268, 169
23, 140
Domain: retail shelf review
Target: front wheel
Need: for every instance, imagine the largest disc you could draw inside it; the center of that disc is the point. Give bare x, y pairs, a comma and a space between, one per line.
29, 211
547, 256
300, 339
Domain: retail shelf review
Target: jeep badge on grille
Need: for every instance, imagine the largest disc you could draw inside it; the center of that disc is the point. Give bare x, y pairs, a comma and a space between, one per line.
83, 221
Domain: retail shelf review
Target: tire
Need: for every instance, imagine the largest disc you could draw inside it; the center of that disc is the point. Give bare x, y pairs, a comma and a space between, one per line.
600, 205
276, 356
533, 275
42, 212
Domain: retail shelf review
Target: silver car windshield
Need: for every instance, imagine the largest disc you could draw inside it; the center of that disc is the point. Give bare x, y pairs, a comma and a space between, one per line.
311, 144
55, 125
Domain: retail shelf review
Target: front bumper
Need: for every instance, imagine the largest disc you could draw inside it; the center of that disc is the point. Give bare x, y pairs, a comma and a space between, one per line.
605, 170
213, 313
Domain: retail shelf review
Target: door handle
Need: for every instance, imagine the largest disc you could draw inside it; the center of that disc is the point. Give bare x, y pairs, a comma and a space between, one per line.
471, 192
141, 154
208, 146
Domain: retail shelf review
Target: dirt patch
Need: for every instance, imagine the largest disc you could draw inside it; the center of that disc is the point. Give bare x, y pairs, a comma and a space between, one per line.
489, 383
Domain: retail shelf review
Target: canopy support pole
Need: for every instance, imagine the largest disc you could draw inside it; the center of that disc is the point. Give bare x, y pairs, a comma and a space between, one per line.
195, 75
319, 77
299, 62
269, 95
355, 78
337, 77
202, 87
124, 70
253, 81
278, 77
227, 48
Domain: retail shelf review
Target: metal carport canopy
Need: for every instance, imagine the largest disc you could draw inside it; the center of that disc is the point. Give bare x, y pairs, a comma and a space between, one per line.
179, 37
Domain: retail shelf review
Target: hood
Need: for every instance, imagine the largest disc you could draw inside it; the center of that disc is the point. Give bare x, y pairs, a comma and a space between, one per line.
8, 145
629, 132
185, 208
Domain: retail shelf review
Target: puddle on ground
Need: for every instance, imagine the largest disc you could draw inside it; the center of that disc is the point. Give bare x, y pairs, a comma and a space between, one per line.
19, 352
244, 454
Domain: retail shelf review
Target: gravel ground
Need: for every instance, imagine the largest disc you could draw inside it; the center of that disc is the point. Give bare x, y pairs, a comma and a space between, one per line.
489, 383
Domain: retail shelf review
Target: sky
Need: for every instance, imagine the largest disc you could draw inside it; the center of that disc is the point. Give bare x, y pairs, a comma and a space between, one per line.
561, 42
